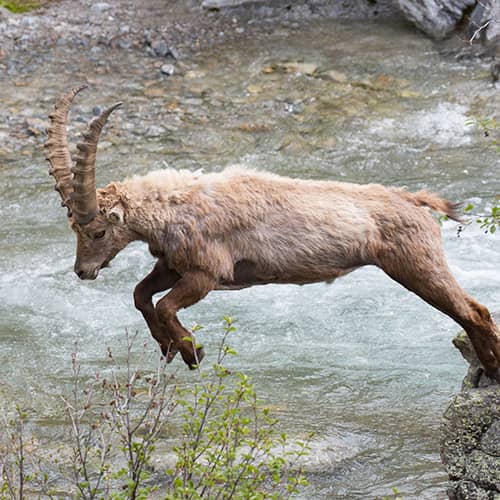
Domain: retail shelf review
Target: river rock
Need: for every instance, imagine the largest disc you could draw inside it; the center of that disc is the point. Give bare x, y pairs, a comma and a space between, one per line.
4, 14
493, 29
483, 22
470, 433
100, 7
160, 47
436, 18
219, 4
167, 69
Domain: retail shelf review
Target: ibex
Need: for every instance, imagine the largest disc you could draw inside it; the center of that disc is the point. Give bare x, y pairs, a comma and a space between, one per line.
240, 228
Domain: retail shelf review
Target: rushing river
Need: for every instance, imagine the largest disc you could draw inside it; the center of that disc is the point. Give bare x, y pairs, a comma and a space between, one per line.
363, 363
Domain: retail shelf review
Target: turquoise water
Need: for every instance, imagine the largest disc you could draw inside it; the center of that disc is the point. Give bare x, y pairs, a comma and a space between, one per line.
363, 363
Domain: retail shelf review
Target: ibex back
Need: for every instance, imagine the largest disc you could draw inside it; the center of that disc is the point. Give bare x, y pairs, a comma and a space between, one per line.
240, 228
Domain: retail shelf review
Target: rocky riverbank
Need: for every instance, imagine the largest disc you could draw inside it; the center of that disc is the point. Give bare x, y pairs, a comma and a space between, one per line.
470, 445
160, 29
167, 29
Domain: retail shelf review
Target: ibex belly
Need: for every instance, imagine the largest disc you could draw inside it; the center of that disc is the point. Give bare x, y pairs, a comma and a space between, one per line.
247, 273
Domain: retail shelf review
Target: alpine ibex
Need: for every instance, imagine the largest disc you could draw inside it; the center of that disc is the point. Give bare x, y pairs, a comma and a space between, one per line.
240, 228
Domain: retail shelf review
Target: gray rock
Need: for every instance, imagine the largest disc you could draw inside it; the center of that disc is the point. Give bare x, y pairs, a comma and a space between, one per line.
28, 21
172, 51
219, 4
493, 29
490, 442
484, 22
168, 69
436, 18
467, 490
155, 131
160, 47
4, 14
124, 44
483, 470
470, 432
100, 7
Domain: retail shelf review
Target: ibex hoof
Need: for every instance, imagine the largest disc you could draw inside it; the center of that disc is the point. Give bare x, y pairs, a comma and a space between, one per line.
169, 353
496, 376
193, 361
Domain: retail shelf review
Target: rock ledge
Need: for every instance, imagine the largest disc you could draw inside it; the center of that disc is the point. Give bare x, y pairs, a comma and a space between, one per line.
470, 433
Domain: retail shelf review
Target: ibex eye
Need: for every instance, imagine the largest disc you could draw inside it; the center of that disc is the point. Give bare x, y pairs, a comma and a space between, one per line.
99, 235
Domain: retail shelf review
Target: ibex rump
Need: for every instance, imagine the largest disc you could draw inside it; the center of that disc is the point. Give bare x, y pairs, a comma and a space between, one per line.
240, 228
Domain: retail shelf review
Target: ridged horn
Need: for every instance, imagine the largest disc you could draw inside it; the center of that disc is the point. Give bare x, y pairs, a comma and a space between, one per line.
58, 154
84, 196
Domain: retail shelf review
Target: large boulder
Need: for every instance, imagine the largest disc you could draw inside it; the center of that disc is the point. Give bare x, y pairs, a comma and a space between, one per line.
470, 433
484, 22
436, 18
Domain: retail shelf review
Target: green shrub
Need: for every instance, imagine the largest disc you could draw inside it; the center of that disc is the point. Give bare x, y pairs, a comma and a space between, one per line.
19, 6
230, 447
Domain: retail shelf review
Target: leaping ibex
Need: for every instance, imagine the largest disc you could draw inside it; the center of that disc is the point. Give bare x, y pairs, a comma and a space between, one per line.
240, 228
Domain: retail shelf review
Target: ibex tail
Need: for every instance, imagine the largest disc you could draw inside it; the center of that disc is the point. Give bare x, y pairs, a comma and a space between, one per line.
433, 201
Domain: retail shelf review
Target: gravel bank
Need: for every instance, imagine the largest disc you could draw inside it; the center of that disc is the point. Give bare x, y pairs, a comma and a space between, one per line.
161, 28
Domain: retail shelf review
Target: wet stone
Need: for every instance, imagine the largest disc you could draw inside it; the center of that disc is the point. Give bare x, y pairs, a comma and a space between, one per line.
432, 17
468, 490
154, 92
302, 68
484, 470
4, 14
160, 47
100, 7
490, 442
155, 131
335, 76
167, 69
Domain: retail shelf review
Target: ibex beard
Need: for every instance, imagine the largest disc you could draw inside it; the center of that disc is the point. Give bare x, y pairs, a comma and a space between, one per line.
240, 228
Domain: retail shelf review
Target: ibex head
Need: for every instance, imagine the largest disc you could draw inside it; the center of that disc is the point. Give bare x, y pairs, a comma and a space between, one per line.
98, 226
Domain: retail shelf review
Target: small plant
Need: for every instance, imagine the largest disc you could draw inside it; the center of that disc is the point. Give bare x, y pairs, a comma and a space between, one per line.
488, 222
13, 474
128, 411
488, 127
230, 447
395, 495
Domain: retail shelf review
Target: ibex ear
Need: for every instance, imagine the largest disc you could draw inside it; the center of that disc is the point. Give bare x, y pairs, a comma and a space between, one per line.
116, 215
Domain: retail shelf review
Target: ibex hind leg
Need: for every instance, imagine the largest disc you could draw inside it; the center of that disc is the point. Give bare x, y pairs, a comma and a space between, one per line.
425, 272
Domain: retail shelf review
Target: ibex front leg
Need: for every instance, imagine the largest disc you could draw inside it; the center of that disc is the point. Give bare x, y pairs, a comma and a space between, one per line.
188, 290
159, 279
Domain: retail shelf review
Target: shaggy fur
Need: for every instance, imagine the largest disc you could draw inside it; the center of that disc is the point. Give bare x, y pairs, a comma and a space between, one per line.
240, 228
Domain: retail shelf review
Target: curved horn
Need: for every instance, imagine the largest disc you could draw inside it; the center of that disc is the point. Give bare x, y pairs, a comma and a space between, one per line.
58, 155
84, 196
